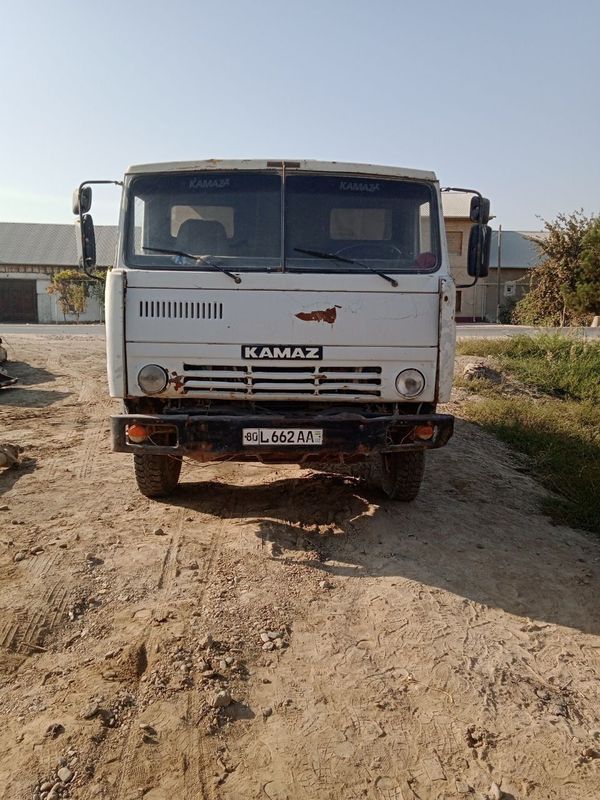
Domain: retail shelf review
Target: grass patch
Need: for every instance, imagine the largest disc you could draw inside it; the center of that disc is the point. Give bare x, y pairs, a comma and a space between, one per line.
559, 432
557, 365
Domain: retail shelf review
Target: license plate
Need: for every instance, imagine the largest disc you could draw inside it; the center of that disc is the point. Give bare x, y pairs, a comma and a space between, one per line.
286, 437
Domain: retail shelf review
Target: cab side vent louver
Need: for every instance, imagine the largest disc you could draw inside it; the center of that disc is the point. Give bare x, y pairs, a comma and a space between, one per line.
180, 309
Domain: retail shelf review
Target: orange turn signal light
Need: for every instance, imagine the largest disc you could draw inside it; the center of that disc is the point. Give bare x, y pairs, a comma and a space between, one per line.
424, 431
137, 433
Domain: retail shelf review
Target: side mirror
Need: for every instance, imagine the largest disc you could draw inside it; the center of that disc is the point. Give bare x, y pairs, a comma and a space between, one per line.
478, 259
86, 243
480, 210
82, 200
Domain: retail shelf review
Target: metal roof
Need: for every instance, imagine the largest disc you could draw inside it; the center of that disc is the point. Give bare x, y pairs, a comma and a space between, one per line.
292, 164
518, 249
50, 245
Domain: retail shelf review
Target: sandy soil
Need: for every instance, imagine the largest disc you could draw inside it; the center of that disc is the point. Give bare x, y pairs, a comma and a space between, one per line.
426, 651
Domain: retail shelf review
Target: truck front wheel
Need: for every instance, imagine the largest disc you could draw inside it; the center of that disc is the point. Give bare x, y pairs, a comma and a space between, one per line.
156, 475
402, 474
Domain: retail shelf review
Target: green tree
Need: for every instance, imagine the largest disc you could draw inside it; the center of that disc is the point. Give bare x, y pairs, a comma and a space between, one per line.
553, 284
72, 290
97, 287
586, 296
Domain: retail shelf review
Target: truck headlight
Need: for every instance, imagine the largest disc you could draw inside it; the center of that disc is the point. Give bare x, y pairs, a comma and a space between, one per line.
152, 379
410, 383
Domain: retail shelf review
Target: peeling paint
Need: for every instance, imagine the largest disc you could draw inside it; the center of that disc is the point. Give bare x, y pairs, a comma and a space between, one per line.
176, 381
328, 315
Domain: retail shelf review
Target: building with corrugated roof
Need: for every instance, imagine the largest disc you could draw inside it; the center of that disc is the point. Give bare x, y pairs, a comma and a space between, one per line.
29, 254
518, 257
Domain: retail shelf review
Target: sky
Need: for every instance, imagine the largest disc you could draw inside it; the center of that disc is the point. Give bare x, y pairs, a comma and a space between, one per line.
500, 96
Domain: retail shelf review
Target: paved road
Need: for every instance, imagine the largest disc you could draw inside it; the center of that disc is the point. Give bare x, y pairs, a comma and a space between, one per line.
45, 330
471, 331
474, 331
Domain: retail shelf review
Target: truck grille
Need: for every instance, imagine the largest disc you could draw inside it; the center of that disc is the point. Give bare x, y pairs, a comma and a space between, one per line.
246, 380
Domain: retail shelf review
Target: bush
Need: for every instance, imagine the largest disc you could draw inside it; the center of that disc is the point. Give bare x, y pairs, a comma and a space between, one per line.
586, 296
554, 297
72, 289
505, 315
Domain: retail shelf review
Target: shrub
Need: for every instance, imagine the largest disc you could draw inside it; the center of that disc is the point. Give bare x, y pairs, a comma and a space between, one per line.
72, 289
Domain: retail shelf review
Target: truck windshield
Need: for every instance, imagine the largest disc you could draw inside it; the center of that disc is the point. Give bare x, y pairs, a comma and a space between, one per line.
331, 223
234, 217
386, 224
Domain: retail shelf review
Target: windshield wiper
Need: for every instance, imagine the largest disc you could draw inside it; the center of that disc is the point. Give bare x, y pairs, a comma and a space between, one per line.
202, 259
335, 257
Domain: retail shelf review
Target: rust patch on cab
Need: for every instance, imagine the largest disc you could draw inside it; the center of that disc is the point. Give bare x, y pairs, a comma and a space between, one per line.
328, 315
177, 381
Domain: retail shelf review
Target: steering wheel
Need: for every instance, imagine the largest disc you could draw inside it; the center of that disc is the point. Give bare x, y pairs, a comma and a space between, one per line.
369, 247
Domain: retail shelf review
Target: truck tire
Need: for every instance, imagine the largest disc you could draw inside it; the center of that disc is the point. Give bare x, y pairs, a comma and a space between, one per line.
402, 474
156, 475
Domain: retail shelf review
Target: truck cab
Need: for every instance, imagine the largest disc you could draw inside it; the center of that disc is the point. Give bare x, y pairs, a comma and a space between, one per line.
280, 311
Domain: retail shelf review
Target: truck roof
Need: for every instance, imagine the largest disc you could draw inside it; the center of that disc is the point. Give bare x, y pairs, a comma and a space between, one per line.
291, 164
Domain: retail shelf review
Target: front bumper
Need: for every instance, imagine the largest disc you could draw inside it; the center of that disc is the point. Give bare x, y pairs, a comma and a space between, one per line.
346, 436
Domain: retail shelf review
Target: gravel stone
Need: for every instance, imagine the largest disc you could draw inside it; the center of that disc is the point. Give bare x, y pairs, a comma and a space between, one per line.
159, 532
495, 792
590, 753
475, 371
222, 699
144, 726
65, 774
20, 555
55, 729
91, 711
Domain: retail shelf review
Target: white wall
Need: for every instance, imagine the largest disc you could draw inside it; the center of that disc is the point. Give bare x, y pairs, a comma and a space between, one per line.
47, 304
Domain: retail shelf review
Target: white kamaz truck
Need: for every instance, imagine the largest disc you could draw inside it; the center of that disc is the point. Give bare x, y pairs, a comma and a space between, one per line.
294, 312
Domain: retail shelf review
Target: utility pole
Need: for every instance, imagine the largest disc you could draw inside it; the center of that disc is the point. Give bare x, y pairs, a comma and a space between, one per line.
499, 271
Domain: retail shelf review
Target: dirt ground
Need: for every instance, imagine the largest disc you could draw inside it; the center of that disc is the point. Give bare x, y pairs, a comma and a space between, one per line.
281, 633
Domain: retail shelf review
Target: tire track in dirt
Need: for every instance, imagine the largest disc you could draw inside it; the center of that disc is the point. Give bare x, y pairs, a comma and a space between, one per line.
86, 432
181, 757
94, 435
44, 597
43, 608
455, 643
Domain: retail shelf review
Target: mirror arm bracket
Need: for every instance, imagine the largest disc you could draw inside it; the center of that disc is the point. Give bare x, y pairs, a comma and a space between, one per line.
91, 276
466, 285
458, 189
